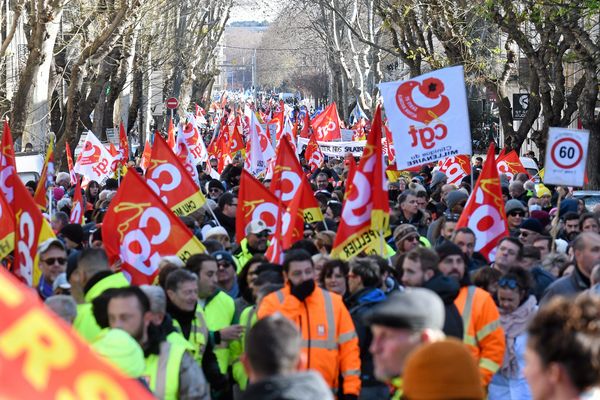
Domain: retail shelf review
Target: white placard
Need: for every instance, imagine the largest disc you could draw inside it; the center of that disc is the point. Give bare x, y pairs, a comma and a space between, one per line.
335, 149
428, 117
566, 156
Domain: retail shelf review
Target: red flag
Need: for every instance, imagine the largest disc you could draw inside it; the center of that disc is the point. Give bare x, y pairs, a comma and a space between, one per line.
236, 143
167, 176
305, 132
308, 203
78, 207
287, 175
70, 164
351, 163
123, 144
8, 169
388, 146
113, 150
171, 134
313, 154
501, 155
145, 161
484, 211
366, 211
511, 165
46, 178
31, 230
7, 228
139, 229
255, 202
278, 120
327, 124
456, 168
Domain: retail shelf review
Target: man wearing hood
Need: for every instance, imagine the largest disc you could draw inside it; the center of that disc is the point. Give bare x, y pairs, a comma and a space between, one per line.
329, 339
483, 334
273, 363
364, 280
420, 269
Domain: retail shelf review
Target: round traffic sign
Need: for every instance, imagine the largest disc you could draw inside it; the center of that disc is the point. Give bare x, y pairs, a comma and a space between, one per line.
172, 103
566, 153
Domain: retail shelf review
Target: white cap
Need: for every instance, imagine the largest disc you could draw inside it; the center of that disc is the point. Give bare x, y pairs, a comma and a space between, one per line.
215, 230
256, 226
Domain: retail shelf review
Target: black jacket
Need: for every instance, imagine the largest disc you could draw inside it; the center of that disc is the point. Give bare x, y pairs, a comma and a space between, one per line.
568, 286
358, 305
447, 288
226, 222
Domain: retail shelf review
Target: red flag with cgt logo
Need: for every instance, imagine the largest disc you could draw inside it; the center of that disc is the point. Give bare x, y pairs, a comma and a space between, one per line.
484, 211
326, 126
139, 229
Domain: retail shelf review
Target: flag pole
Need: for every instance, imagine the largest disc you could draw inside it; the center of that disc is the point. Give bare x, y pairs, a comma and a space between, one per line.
49, 202
555, 223
213, 214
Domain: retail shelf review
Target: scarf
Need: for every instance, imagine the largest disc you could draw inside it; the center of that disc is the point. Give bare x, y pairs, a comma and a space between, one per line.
514, 324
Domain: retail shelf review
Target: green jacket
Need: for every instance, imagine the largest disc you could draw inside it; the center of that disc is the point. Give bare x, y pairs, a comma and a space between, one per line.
85, 323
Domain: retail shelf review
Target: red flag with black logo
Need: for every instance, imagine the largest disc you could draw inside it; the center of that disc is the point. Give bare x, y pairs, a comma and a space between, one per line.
366, 210
326, 126
7, 228
167, 176
456, 168
123, 144
484, 211
70, 164
139, 229
305, 132
313, 154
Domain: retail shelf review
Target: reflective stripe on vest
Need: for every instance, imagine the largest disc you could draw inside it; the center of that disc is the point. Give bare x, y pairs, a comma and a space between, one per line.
199, 333
466, 315
249, 324
280, 297
329, 343
163, 370
218, 314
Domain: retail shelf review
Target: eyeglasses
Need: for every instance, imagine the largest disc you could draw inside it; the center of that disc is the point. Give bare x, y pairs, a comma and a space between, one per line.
524, 234
516, 214
214, 190
224, 265
262, 234
450, 217
412, 239
508, 282
53, 260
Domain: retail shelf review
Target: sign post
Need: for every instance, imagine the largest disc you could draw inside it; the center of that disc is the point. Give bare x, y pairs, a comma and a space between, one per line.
172, 103
566, 157
520, 105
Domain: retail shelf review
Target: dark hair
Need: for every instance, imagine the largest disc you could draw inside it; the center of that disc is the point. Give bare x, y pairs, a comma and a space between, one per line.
194, 263
522, 277
532, 252
584, 217
269, 277
307, 245
368, 271
408, 192
330, 266
123, 293
464, 229
571, 215
243, 277
336, 207
294, 255
484, 277
567, 332
273, 345
428, 258
225, 199
94, 259
514, 241
164, 273
548, 241
177, 277
213, 245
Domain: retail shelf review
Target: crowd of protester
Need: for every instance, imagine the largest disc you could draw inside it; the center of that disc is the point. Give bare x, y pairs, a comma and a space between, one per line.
435, 320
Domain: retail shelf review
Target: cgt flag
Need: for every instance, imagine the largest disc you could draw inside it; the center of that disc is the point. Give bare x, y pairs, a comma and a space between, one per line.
31, 230
7, 165
428, 117
43, 358
313, 154
94, 162
7, 228
78, 208
139, 229
484, 211
123, 145
510, 165
168, 177
70, 164
326, 126
456, 168
366, 211
46, 178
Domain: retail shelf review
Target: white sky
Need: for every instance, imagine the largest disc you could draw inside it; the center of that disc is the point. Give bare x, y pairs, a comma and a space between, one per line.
255, 10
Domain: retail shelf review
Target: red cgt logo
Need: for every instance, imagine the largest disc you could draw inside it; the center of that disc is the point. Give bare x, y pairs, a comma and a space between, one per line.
432, 88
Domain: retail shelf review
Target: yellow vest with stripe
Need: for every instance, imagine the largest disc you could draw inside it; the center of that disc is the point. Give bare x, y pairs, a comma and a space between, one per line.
198, 335
162, 371
248, 318
218, 313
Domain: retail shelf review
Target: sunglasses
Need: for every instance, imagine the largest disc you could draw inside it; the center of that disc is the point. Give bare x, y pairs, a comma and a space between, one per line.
524, 234
262, 234
508, 283
53, 260
224, 265
516, 214
213, 190
412, 239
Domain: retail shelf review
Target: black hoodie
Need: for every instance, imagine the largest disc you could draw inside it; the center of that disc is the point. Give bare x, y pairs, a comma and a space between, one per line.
448, 289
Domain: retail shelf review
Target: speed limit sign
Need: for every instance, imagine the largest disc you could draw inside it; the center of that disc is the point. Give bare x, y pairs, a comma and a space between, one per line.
566, 155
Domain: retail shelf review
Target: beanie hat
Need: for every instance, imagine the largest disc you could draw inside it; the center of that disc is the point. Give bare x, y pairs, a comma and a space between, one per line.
438, 177
58, 193
568, 205
215, 183
403, 231
455, 197
513, 205
73, 232
532, 224
541, 216
447, 248
440, 371
214, 231
120, 349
